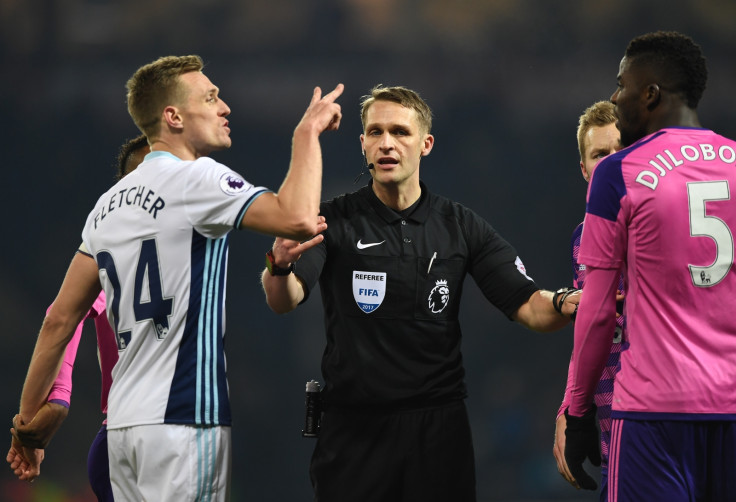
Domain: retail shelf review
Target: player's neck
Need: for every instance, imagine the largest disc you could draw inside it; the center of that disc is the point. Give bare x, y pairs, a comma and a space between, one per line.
180, 149
680, 116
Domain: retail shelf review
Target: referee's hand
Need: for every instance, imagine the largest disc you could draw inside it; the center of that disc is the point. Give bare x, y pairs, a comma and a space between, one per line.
582, 442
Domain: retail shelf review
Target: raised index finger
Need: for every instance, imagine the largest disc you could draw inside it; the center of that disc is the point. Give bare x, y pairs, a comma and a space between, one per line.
335, 93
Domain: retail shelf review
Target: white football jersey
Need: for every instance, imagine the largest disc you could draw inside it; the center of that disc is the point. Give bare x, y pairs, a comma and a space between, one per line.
160, 239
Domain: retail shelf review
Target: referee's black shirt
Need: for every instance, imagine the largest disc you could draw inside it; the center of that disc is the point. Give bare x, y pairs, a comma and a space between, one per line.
391, 285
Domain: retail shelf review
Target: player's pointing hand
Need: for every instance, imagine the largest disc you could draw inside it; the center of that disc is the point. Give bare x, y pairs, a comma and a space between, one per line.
323, 113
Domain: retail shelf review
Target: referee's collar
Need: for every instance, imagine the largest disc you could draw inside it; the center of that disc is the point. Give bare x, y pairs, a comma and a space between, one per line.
420, 214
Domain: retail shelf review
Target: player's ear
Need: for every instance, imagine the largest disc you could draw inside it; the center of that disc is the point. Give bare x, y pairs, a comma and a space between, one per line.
654, 95
584, 171
172, 117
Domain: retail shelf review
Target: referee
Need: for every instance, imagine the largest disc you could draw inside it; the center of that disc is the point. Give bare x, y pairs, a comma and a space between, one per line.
391, 267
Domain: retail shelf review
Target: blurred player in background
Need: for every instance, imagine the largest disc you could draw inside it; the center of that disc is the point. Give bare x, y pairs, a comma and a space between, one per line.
661, 210
598, 137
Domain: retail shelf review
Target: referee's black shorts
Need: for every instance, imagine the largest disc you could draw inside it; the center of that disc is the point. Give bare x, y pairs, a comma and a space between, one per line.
423, 455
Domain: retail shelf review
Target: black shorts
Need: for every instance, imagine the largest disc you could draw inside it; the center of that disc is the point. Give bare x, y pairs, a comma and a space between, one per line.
423, 455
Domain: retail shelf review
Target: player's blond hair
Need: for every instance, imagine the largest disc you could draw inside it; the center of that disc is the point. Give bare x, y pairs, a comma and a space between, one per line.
596, 115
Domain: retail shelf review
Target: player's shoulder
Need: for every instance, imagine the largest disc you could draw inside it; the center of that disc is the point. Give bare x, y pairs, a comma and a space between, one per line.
631, 152
204, 165
667, 148
672, 141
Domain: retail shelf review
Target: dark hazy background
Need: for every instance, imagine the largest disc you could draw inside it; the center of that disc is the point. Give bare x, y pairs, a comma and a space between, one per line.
506, 80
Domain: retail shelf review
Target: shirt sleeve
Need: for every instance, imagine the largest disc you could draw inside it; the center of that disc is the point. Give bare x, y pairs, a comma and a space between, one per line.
496, 267
568, 388
595, 322
61, 390
217, 197
604, 238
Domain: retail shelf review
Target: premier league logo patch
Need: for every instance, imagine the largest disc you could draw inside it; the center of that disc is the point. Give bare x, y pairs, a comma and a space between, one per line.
439, 297
521, 268
232, 184
369, 289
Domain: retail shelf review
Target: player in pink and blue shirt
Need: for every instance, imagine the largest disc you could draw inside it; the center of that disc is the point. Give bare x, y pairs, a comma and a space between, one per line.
598, 137
661, 210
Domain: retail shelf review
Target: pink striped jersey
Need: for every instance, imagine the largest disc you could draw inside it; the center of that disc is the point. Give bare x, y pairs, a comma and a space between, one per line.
107, 353
604, 390
662, 211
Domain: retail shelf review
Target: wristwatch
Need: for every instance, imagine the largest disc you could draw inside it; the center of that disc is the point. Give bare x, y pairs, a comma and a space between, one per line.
559, 297
274, 269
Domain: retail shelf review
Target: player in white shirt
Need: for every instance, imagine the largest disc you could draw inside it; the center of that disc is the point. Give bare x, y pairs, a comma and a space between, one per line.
49, 418
159, 240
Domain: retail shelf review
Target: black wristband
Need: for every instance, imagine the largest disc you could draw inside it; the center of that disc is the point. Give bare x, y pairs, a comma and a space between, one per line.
274, 269
558, 298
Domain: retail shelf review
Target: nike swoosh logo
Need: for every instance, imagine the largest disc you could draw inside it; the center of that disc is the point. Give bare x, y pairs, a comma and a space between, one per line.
360, 245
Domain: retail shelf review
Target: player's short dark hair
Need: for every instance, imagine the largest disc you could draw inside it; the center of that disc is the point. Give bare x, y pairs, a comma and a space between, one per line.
126, 163
676, 60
